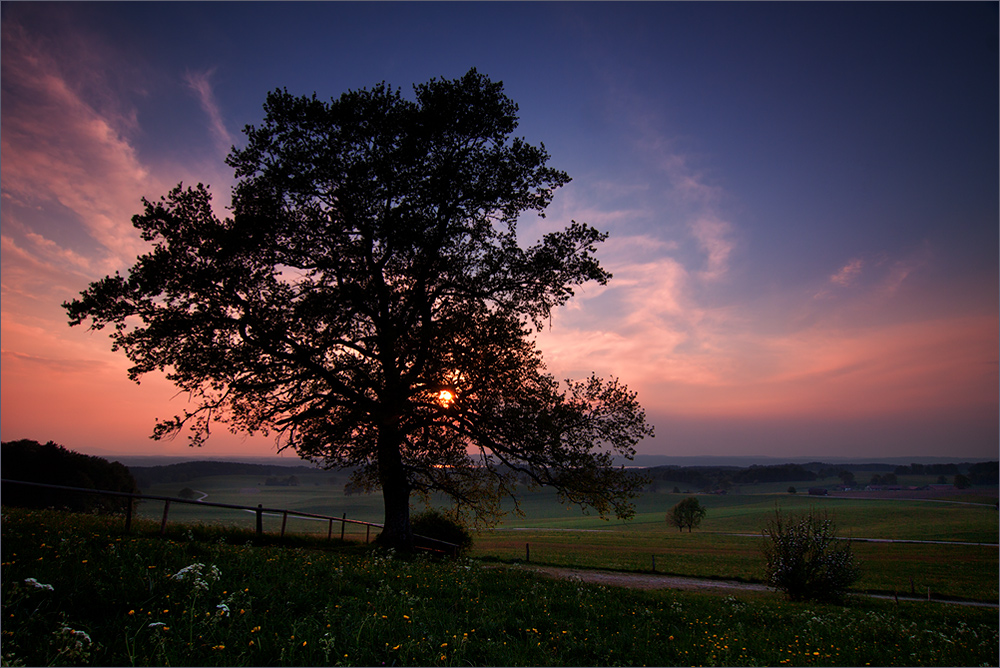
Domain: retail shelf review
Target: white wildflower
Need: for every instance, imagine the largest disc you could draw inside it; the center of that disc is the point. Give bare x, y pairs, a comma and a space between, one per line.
38, 585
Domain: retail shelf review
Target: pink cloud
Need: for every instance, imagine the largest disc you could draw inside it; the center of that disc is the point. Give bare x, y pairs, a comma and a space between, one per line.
201, 84
715, 239
58, 148
848, 273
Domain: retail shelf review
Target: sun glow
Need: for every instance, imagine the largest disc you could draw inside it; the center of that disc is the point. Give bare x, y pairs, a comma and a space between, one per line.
446, 397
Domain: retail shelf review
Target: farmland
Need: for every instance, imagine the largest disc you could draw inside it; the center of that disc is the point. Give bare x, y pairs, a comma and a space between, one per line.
962, 563
77, 591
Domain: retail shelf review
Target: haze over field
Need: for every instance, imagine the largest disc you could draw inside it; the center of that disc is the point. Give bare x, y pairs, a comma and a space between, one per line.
802, 200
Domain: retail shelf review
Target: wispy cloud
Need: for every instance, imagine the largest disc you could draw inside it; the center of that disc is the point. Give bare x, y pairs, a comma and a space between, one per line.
87, 166
848, 273
714, 238
201, 84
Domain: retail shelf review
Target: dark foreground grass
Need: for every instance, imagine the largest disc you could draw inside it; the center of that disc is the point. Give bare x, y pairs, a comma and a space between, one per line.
78, 591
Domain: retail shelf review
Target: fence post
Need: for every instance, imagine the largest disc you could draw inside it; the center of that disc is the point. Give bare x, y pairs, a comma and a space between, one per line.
128, 516
329, 532
284, 521
343, 524
163, 522
260, 519
368, 533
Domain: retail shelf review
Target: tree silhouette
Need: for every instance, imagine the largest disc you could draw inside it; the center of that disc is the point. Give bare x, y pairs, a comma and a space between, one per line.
687, 514
369, 304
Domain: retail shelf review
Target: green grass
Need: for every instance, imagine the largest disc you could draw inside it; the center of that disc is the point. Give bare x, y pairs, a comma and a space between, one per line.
562, 536
956, 571
352, 605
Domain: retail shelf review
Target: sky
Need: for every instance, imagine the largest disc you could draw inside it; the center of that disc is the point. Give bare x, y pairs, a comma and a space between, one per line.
802, 200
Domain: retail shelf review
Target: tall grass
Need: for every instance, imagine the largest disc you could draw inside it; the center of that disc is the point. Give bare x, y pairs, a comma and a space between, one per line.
77, 591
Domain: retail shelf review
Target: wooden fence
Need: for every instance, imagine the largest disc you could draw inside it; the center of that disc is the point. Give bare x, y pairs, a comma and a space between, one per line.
422, 542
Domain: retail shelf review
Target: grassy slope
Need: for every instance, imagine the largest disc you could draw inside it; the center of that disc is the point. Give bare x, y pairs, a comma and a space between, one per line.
355, 606
951, 571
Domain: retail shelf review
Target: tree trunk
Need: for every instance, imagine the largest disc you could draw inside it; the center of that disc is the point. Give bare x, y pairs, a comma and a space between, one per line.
396, 532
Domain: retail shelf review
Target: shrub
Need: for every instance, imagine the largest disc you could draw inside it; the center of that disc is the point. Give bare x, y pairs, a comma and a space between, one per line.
432, 523
805, 559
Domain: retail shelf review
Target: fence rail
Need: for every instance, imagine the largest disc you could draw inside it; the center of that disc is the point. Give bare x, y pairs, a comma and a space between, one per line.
433, 544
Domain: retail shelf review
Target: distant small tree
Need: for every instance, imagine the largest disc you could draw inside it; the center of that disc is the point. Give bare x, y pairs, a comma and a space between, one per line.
687, 514
792, 490
847, 478
805, 559
186, 493
677, 490
962, 482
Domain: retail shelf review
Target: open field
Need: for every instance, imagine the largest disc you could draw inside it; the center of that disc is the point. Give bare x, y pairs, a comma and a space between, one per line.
726, 546
77, 591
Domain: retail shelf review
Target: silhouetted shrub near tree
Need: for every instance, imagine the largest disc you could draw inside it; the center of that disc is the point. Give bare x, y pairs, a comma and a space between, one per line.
53, 464
805, 559
433, 523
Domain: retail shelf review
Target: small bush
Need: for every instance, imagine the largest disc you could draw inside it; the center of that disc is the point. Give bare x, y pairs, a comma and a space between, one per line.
433, 523
805, 559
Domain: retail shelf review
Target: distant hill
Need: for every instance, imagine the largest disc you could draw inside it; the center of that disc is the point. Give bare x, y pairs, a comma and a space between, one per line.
189, 470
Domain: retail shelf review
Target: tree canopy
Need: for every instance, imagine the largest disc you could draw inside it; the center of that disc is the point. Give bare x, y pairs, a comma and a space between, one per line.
687, 514
52, 464
368, 303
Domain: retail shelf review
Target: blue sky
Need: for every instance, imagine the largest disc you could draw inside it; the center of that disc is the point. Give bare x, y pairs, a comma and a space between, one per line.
802, 198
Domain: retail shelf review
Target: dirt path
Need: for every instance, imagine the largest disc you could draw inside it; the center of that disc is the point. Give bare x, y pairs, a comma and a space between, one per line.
654, 581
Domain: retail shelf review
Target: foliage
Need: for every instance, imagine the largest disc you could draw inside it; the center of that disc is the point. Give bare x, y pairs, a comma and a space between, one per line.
434, 523
369, 303
117, 600
962, 482
187, 471
805, 559
687, 514
53, 464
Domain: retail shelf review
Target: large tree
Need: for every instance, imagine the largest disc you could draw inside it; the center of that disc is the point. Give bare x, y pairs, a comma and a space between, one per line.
369, 303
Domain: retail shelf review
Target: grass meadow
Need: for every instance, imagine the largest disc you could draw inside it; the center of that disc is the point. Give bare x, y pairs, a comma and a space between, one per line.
78, 591
727, 545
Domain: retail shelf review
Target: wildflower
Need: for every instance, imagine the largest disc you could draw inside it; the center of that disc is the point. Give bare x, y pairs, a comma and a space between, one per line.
198, 574
38, 585
223, 609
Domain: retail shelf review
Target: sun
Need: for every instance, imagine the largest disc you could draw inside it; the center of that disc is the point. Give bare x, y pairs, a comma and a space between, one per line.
446, 397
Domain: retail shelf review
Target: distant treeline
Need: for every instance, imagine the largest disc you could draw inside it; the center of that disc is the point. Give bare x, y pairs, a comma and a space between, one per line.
982, 473
714, 478
724, 477
186, 471
53, 464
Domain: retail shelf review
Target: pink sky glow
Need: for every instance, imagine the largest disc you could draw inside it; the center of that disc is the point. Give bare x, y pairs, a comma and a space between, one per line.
742, 334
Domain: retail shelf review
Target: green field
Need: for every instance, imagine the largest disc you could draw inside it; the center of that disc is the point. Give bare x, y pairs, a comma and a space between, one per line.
78, 591
727, 545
